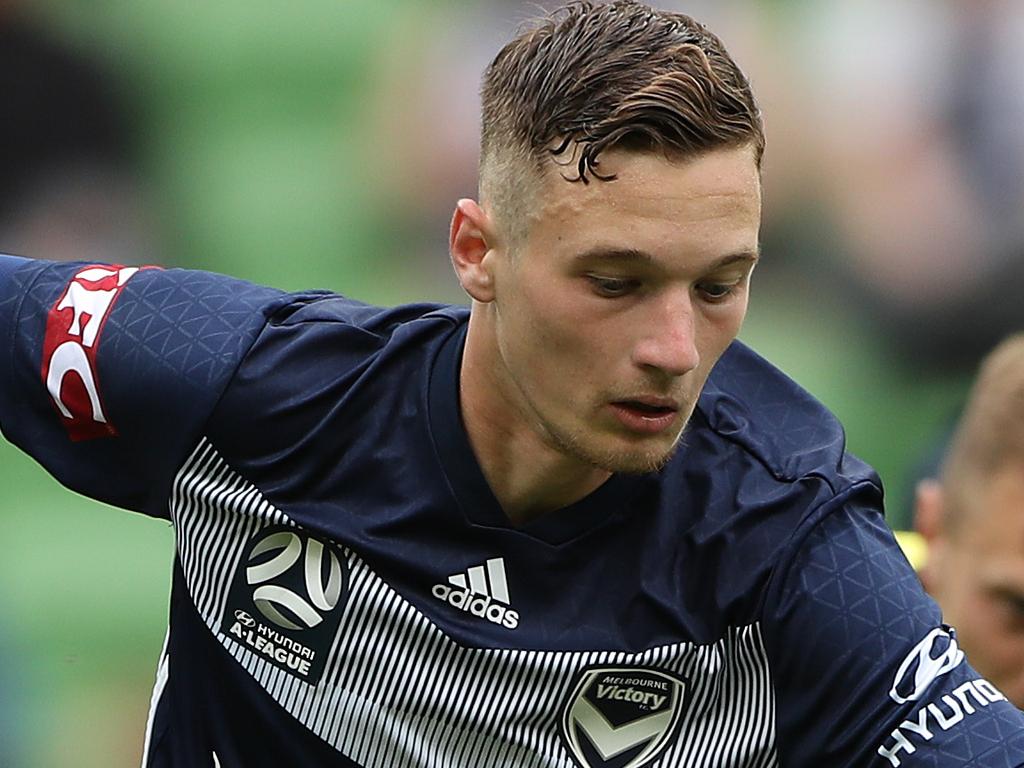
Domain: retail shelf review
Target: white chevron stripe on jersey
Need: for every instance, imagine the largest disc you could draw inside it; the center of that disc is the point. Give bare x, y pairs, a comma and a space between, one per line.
432, 703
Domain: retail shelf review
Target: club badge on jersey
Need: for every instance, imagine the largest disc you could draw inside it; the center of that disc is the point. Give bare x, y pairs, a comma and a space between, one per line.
73, 330
621, 717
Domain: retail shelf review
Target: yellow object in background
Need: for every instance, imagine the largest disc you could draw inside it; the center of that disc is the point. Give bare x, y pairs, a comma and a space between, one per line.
914, 547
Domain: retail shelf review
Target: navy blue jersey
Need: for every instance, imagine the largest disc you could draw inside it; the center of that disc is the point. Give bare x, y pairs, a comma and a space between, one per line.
348, 592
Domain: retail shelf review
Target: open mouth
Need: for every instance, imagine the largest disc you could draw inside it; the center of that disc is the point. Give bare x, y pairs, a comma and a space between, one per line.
646, 409
645, 417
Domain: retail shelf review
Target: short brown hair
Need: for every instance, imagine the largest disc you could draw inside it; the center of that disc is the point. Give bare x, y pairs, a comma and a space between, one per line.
991, 431
594, 76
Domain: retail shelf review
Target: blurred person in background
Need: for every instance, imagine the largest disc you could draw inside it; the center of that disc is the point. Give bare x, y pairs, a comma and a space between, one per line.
972, 520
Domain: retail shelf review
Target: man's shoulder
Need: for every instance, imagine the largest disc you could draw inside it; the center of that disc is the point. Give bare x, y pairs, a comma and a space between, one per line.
333, 368
312, 309
342, 333
761, 464
757, 409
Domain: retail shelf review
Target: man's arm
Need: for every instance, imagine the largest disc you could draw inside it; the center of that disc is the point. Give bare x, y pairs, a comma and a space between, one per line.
7, 266
865, 672
108, 374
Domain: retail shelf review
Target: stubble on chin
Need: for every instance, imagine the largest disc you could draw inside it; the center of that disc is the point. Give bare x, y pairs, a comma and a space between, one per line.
622, 461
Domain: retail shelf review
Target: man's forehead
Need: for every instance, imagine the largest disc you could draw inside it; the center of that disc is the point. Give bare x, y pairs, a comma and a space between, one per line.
709, 205
995, 509
722, 177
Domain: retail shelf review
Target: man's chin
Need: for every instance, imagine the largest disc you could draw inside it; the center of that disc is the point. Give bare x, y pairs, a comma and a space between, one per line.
614, 453
633, 459
639, 463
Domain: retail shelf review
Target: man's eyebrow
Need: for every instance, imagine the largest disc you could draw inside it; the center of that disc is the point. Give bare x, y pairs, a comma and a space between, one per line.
751, 257
636, 256
607, 253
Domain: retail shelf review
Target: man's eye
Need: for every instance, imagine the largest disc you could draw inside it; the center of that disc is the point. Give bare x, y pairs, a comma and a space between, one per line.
1015, 603
611, 287
716, 291
1011, 607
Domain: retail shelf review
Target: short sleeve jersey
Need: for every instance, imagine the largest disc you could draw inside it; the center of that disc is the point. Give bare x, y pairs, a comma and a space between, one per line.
348, 592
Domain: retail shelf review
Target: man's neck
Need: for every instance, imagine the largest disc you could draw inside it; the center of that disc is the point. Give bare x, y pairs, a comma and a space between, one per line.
528, 474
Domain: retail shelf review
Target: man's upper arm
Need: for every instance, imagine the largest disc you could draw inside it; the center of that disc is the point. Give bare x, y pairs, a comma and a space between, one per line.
864, 670
108, 374
7, 266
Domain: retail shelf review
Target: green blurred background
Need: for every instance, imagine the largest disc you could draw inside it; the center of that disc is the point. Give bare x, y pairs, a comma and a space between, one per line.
322, 143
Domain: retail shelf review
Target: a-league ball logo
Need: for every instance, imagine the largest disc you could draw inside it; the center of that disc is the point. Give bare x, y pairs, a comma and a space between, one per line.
286, 599
278, 603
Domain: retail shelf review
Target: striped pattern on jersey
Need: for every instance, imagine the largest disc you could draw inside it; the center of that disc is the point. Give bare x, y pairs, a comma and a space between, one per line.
397, 691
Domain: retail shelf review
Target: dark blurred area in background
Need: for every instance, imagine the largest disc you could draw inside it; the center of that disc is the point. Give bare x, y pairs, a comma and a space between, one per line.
322, 143
69, 187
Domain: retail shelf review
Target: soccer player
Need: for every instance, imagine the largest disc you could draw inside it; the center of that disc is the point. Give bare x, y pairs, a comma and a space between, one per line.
577, 524
973, 521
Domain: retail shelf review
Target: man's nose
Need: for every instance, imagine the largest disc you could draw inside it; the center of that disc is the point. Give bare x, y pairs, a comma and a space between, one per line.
669, 343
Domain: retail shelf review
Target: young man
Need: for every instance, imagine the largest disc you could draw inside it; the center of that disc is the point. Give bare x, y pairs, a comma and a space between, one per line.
973, 521
577, 525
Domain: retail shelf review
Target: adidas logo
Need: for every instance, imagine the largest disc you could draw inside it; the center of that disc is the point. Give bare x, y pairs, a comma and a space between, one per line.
481, 591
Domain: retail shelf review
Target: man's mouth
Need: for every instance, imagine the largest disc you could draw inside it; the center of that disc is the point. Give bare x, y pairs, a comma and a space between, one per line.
656, 410
648, 415
650, 404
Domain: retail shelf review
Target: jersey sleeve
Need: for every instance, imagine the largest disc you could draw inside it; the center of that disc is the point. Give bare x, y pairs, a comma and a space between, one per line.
107, 374
865, 672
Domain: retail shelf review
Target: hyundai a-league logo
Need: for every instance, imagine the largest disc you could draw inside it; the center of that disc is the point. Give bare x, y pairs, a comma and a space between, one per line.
621, 717
286, 600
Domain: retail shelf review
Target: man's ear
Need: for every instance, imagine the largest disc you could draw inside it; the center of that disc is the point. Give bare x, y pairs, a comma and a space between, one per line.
929, 521
928, 509
470, 240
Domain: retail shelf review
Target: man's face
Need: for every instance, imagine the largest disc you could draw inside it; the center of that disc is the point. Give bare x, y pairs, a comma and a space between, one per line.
610, 316
977, 576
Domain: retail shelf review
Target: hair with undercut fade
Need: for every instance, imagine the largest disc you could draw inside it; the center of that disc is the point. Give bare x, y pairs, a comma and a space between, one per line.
990, 435
591, 77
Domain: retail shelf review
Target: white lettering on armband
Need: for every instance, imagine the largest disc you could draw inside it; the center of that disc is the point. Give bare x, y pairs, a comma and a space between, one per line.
73, 328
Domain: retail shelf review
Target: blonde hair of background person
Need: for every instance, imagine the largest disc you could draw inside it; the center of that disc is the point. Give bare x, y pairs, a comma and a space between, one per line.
973, 521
